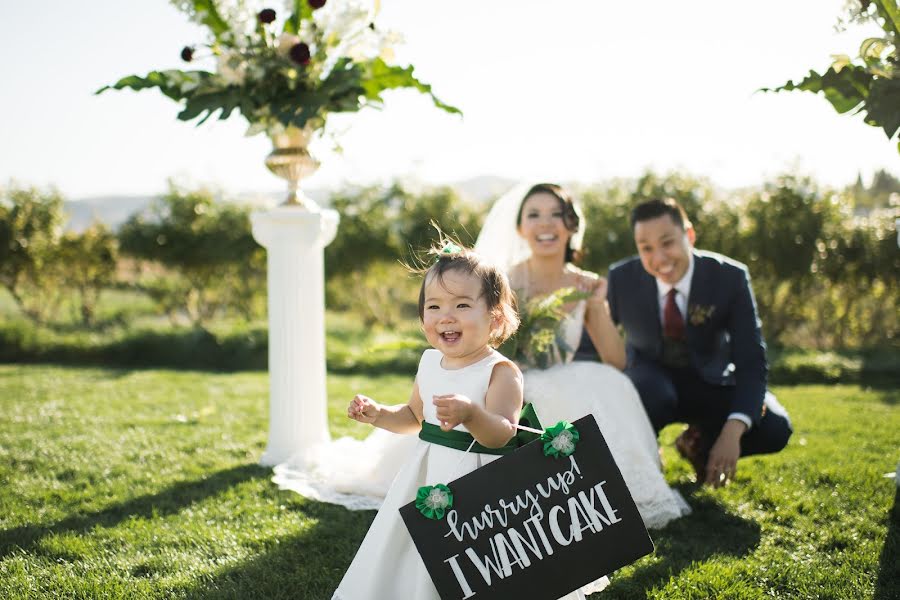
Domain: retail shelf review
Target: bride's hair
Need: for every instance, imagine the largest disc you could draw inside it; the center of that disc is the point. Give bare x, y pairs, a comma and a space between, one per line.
571, 214
495, 288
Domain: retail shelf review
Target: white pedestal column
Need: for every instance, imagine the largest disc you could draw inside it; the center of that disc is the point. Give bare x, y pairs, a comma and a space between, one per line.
294, 239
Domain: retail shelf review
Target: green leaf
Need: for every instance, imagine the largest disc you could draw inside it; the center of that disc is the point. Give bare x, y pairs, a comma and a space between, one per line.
845, 89
211, 17
173, 83
301, 12
209, 103
888, 11
386, 77
883, 105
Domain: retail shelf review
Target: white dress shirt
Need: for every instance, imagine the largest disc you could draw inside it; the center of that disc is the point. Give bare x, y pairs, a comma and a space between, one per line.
683, 292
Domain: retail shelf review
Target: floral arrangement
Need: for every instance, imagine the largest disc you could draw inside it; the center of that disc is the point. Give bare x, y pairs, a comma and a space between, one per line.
538, 342
283, 69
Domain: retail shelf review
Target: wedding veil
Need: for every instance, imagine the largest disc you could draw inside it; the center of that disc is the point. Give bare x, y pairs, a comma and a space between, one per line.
499, 241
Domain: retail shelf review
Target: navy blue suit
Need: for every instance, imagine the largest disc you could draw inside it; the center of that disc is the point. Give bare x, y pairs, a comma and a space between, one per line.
726, 366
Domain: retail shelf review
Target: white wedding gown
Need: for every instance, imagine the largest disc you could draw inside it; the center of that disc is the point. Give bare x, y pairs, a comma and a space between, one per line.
571, 390
358, 473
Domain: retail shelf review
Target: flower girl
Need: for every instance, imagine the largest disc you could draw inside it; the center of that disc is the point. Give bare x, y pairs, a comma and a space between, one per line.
465, 393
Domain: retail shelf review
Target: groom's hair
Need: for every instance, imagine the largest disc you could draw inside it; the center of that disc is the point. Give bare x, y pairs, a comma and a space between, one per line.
658, 207
495, 288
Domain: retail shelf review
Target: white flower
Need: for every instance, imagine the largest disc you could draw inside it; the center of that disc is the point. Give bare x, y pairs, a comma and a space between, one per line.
437, 499
369, 43
286, 41
232, 68
240, 14
563, 442
388, 41
339, 21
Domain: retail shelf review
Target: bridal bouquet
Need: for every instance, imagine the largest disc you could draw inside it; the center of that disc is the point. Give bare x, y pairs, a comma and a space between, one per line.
282, 68
539, 343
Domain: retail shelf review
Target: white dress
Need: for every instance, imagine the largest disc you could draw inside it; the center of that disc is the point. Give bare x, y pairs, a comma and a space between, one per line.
358, 473
571, 390
387, 565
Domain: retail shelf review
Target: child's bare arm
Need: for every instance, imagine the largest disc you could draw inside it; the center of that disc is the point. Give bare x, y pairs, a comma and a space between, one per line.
400, 418
494, 425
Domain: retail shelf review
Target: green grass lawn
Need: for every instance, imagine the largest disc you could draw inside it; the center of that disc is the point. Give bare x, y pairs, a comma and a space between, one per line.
145, 484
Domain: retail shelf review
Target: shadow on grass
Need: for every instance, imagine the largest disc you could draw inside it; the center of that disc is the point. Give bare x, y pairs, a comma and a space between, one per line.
887, 395
888, 584
169, 501
306, 565
706, 532
310, 564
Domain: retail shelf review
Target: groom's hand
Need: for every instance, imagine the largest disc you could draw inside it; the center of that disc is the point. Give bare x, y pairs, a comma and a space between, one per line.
723, 456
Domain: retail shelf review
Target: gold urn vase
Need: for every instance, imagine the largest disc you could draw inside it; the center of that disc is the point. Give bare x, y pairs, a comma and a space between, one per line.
290, 159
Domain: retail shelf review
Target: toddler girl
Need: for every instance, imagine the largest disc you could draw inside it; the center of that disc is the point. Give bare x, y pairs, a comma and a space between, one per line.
464, 391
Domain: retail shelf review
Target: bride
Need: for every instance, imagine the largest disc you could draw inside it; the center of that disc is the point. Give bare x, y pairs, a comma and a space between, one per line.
535, 233
535, 237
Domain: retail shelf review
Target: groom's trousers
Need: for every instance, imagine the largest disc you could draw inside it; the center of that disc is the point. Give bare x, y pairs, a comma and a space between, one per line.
680, 395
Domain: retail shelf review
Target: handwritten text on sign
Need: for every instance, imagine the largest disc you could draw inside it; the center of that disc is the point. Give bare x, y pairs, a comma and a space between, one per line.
528, 525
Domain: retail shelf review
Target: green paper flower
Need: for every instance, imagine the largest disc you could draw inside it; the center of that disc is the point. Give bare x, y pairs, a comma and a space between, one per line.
434, 500
560, 440
450, 248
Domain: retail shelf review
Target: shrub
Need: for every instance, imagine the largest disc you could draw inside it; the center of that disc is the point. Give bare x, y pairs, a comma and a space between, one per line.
30, 227
213, 264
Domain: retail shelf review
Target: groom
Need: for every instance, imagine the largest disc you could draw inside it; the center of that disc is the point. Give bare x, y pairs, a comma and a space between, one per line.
695, 350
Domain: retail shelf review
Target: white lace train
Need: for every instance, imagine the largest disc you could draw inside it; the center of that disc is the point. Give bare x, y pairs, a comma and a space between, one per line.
357, 473
353, 473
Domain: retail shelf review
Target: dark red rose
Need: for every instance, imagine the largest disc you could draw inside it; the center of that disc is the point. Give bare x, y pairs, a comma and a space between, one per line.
187, 54
300, 53
314, 4
266, 15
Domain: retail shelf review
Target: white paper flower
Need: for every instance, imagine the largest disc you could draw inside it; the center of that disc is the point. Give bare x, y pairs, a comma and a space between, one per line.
563, 442
437, 499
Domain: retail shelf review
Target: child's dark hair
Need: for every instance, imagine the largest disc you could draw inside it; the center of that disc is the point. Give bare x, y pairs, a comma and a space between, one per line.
495, 288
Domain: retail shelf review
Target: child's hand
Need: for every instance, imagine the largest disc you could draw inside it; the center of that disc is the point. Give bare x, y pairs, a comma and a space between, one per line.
452, 410
363, 409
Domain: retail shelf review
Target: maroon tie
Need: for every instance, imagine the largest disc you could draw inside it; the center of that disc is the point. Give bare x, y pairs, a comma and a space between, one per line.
673, 323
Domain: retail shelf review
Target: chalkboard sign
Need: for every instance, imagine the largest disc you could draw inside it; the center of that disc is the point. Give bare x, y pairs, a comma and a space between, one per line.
532, 526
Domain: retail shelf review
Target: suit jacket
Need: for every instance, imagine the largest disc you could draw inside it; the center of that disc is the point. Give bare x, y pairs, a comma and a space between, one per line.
722, 328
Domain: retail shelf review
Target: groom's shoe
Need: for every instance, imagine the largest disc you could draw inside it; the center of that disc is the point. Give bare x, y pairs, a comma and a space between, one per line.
693, 446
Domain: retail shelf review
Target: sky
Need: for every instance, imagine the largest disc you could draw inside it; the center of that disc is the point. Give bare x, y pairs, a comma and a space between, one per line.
570, 90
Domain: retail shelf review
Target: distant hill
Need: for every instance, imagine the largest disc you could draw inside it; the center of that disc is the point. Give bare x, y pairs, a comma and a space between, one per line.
112, 211
115, 210
483, 189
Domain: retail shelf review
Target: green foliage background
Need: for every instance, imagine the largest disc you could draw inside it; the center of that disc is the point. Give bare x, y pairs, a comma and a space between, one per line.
186, 280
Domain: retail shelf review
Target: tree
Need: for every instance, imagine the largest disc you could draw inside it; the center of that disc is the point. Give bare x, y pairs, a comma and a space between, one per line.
208, 249
30, 226
871, 85
86, 263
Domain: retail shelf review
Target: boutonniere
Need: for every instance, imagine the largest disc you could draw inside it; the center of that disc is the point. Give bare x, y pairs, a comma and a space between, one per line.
698, 314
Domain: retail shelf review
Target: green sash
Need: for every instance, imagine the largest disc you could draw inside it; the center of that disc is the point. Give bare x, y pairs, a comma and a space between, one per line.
460, 440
